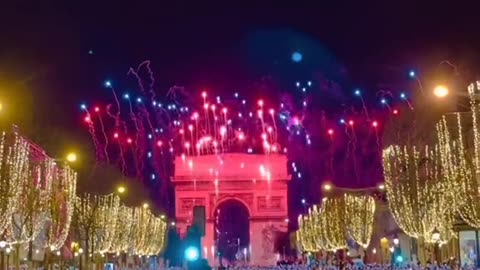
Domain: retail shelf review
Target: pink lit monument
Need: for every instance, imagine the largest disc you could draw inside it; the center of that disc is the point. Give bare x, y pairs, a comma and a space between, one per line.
257, 181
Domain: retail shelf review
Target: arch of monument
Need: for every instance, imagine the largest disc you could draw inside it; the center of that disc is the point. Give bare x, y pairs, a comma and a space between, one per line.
257, 181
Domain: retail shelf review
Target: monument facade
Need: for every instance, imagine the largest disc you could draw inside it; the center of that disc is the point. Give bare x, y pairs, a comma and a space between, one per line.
259, 182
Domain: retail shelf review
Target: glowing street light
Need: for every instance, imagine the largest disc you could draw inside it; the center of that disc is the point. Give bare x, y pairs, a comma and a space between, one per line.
71, 157
121, 189
440, 91
396, 241
327, 187
145, 205
381, 187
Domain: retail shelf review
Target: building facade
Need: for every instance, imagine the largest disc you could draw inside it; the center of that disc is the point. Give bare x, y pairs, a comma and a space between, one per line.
258, 182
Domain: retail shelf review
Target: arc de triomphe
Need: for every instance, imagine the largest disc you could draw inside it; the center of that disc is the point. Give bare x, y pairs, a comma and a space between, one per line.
259, 182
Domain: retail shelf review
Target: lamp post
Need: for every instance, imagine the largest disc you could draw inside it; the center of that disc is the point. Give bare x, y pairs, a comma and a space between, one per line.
8, 250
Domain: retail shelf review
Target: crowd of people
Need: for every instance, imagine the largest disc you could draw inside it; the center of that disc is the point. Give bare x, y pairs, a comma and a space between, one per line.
318, 265
350, 267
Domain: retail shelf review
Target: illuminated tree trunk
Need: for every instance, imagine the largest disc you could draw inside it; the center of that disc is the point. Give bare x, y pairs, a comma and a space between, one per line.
17, 256
422, 258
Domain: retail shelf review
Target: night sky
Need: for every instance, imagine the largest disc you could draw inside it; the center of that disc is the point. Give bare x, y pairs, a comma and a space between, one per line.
55, 56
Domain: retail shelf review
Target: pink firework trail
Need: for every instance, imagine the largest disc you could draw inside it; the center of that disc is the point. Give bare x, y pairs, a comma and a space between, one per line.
105, 147
365, 110
116, 136
136, 72
91, 130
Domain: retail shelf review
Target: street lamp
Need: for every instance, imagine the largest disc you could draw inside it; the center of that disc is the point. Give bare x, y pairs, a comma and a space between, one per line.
381, 187
121, 189
327, 187
145, 205
71, 157
440, 91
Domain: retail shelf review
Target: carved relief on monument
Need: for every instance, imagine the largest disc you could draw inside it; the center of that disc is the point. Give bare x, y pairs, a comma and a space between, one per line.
247, 198
268, 241
187, 204
274, 203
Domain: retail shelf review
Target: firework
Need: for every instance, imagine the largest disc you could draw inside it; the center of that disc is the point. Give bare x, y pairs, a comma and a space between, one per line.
150, 130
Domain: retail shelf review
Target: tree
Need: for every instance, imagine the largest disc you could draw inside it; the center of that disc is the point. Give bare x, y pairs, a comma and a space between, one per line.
61, 206
12, 165
418, 193
459, 138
